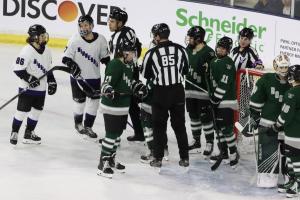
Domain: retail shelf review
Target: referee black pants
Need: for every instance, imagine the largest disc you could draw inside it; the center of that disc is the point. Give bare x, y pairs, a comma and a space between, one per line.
169, 100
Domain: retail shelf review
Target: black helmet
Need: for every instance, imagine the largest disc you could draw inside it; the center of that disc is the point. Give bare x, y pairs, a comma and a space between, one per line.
34, 32
294, 73
87, 18
127, 46
247, 32
196, 32
161, 29
119, 15
225, 42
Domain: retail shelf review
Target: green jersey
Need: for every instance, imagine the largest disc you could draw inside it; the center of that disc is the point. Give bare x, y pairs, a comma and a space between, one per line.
222, 82
119, 76
197, 73
267, 97
289, 117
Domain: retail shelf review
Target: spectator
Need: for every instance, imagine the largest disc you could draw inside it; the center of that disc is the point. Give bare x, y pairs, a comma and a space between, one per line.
269, 6
286, 7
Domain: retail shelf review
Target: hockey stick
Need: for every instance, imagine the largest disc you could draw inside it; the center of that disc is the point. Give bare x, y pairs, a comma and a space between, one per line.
219, 161
97, 92
62, 68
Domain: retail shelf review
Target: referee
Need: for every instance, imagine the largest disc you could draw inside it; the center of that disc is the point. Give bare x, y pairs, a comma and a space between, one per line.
166, 64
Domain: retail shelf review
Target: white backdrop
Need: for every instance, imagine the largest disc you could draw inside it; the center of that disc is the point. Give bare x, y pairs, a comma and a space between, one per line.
274, 34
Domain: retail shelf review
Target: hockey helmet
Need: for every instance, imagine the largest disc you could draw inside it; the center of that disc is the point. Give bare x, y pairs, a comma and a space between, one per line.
84, 18
127, 46
119, 15
225, 42
196, 32
246, 32
35, 31
161, 29
281, 64
294, 73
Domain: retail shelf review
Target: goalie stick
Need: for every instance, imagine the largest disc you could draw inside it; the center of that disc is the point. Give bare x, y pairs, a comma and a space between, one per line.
219, 161
62, 68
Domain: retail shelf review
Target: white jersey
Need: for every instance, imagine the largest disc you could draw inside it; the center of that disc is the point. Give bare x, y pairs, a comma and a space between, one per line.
35, 64
87, 54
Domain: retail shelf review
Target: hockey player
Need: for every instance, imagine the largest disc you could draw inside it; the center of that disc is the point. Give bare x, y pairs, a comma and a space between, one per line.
265, 106
289, 120
197, 100
116, 23
244, 55
86, 50
34, 60
223, 98
117, 89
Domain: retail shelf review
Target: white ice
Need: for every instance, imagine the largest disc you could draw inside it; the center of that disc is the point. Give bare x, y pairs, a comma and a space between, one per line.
64, 166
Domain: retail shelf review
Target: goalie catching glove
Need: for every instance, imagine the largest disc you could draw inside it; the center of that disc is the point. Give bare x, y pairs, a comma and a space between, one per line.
139, 89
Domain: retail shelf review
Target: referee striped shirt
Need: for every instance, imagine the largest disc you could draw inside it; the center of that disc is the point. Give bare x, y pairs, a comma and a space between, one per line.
125, 34
244, 59
165, 64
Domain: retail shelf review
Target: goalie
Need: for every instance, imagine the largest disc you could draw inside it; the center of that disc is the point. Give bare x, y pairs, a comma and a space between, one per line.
265, 105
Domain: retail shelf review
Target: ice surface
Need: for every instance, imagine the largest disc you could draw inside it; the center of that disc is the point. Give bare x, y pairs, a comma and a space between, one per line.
64, 166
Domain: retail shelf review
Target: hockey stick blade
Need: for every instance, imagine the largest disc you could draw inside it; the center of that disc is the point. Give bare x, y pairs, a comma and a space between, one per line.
62, 68
216, 165
244, 130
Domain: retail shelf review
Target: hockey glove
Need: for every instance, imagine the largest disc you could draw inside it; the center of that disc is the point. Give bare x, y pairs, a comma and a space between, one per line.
111, 93
74, 69
32, 80
215, 102
52, 86
273, 130
139, 90
258, 64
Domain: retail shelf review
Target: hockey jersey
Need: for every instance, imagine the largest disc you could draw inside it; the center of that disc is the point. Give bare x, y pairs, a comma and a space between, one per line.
290, 115
87, 54
222, 75
197, 72
35, 64
119, 76
244, 59
267, 98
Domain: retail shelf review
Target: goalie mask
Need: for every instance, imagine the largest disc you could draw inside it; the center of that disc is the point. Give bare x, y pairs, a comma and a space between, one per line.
85, 25
37, 33
281, 64
294, 74
195, 36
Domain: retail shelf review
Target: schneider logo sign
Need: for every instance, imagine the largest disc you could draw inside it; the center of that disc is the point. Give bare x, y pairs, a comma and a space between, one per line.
217, 28
67, 11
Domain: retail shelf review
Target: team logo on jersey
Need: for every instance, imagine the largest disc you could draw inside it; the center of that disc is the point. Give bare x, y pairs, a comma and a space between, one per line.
40, 66
290, 96
276, 94
242, 60
87, 56
228, 66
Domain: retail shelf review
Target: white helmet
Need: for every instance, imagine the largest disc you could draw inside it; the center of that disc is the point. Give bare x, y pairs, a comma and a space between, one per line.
281, 64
